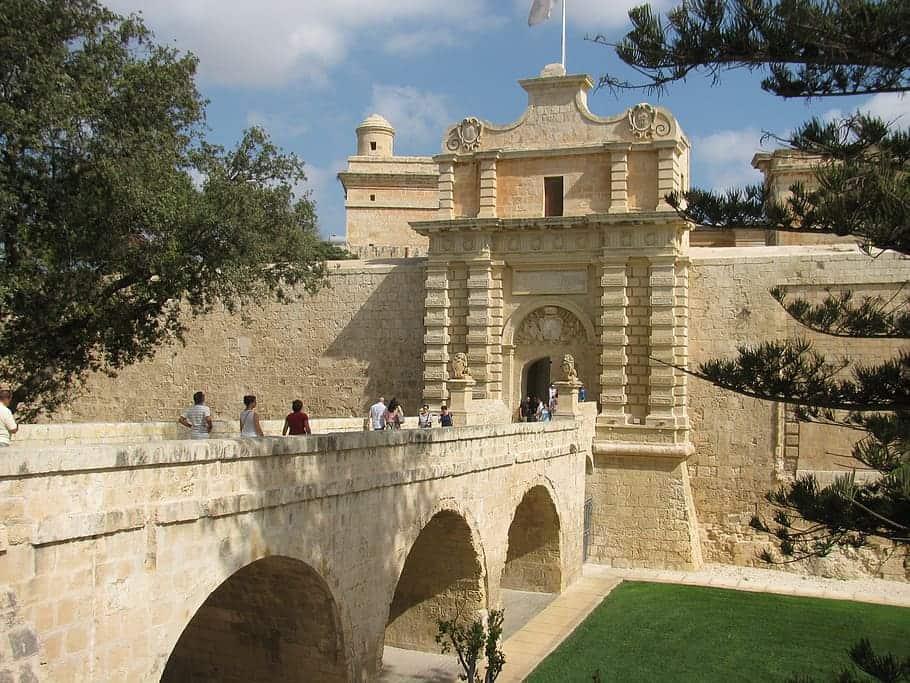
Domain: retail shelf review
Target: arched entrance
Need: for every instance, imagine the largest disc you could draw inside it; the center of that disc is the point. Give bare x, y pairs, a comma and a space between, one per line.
532, 560
273, 620
537, 379
442, 578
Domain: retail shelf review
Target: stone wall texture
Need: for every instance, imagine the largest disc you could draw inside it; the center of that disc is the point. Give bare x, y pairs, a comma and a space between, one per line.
745, 447
360, 337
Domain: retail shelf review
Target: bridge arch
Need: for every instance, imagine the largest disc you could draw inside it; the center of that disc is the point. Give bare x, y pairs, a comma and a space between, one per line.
443, 576
274, 619
534, 550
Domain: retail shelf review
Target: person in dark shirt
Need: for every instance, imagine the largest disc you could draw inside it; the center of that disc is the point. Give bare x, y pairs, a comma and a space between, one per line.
297, 422
445, 417
523, 408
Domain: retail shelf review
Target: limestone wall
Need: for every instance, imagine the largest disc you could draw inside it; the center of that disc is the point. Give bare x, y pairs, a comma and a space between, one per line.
360, 337
744, 447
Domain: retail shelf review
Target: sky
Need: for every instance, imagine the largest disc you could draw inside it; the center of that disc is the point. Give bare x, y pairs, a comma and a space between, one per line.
310, 71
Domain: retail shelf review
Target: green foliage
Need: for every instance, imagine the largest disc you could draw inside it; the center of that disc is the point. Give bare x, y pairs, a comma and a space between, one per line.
886, 668
812, 48
118, 220
473, 642
665, 632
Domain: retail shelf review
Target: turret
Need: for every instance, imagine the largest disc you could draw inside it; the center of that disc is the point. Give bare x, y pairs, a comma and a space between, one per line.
375, 137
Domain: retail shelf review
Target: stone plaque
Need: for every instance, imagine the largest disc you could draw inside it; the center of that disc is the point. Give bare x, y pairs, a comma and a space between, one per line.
550, 282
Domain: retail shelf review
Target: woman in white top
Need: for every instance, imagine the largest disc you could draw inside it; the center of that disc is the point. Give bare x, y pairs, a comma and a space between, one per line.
249, 418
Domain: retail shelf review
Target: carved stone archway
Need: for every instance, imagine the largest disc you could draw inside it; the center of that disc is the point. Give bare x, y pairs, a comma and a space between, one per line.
548, 328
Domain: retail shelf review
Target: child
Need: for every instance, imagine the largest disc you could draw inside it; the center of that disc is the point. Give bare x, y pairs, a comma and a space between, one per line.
297, 422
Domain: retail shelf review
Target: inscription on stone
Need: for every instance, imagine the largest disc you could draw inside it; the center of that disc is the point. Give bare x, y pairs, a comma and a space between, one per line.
550, 282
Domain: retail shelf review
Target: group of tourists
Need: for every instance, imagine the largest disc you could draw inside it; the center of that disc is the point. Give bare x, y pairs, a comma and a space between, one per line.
532, 409
198, 419
391, 416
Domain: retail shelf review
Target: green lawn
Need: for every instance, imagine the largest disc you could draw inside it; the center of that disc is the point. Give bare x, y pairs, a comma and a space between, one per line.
664, 632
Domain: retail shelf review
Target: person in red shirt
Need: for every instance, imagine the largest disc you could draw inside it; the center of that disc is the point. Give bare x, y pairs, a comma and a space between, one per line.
297, 422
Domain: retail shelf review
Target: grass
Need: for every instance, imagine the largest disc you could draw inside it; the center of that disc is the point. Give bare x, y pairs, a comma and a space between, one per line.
665, 632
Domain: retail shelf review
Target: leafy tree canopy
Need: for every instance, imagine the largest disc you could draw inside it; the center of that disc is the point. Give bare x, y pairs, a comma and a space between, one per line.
117, 219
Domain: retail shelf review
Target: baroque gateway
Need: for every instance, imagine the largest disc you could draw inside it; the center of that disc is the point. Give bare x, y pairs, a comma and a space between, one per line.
537, 252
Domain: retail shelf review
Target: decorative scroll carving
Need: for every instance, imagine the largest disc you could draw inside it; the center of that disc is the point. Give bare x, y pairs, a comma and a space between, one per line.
550, 325
645, 122
460, 369
569, 373
466, 135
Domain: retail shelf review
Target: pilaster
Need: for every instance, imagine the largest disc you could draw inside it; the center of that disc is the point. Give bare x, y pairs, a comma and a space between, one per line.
436, 339
614, 342
483, 298
446, 187
667, 176
619, 181
487, 187
662, 342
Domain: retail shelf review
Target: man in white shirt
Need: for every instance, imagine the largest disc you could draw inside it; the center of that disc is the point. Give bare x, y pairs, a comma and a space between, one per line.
197, 418
377, 414
8, 425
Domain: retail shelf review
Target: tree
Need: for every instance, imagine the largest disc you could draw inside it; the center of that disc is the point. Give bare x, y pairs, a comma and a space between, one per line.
118, 220
471, 643
809, 49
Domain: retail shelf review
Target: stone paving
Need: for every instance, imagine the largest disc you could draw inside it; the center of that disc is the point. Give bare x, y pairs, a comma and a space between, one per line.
546, 629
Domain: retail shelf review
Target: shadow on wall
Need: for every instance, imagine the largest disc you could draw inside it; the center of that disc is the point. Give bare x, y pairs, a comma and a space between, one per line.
384, 339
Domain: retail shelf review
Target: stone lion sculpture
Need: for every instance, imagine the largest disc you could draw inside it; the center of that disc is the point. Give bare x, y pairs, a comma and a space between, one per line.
460, 369
568, 368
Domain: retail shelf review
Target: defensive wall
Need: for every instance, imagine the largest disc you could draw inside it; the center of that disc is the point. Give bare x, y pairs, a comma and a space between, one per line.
171, 559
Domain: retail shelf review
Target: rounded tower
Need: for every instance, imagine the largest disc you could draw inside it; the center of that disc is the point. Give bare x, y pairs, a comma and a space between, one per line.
375, 136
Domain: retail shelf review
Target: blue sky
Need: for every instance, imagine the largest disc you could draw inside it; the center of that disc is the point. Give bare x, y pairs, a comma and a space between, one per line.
309, 71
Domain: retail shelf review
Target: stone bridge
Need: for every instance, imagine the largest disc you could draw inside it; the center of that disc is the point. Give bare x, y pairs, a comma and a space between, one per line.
275, 559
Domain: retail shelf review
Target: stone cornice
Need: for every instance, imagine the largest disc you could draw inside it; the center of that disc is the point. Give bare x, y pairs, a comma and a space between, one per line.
356, 179
651, 218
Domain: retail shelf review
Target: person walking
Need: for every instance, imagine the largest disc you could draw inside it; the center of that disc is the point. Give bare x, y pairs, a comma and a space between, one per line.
249, 418
8, 425
377, 415
445, 417
297, 422
523, 408
197, 418
393, 414
424, 417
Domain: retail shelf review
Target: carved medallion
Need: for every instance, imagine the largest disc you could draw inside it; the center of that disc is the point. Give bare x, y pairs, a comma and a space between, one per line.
550, 325
645, 122
466, 135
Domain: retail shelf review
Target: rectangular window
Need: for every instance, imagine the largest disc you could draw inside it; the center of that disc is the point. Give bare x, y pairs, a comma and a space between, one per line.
552, 193
373, 146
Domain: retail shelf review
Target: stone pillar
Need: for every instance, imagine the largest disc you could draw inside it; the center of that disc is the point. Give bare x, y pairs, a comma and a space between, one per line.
436, 339
662, 342
446, 187
568, 408
482, 326
487, 187
619, 181
461, 394
667, 175
613, 340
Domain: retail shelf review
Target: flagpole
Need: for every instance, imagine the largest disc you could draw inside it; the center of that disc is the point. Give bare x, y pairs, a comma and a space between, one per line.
564, 33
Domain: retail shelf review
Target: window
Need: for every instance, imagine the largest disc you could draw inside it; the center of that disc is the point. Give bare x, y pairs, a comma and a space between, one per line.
373, 145
372, 197
552, 193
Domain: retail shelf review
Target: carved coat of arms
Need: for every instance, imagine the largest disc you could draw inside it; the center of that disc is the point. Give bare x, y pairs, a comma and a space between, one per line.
645, 123
466, 135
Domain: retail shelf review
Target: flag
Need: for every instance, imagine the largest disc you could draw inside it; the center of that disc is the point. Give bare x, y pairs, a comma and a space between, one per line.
540, 11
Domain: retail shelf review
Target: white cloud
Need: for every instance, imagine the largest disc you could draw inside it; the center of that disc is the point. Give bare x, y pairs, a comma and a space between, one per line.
891, 107
419, 117
723, 159
273, 42
277, 125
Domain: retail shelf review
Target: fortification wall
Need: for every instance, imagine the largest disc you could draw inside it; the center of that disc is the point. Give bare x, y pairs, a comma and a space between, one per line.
745, 447
360, 337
